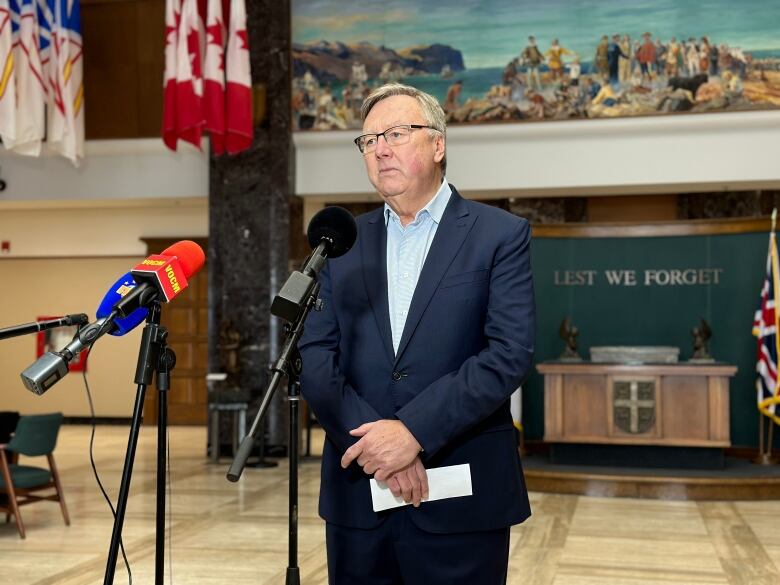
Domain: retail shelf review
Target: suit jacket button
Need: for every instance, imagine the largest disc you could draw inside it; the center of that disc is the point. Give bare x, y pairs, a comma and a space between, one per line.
396, 376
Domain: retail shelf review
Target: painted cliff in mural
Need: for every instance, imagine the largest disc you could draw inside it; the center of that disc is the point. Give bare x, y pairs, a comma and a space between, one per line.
510, 60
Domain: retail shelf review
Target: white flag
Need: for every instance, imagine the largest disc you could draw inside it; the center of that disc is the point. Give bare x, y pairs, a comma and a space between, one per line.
66, 86
30, 88
7, 77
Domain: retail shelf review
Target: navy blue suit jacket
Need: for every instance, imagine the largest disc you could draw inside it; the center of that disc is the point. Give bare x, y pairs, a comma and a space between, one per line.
467, 345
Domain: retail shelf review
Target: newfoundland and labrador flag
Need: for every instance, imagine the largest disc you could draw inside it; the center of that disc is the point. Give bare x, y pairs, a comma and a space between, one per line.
7, 77
64, 72
765, 326
41, 71
31, 91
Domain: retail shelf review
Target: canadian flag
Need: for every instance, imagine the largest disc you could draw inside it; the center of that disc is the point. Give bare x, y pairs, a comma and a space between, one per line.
214, 76
239, 130
197, 98
170, 132
66, 87
30, 85
7, 77
189, 75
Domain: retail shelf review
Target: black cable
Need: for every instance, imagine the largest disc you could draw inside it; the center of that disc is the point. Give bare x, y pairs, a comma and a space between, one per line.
92, 458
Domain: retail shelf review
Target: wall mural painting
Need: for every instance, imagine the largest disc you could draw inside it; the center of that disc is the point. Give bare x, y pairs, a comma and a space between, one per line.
518, 60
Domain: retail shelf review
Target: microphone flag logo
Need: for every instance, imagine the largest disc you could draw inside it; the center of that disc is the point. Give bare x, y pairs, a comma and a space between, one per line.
165, 272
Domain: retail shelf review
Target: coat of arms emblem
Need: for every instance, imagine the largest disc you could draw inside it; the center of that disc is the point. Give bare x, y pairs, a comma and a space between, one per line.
634, 405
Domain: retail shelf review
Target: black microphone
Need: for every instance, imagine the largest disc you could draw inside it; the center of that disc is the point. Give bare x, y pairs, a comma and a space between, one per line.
78, 319
332, 232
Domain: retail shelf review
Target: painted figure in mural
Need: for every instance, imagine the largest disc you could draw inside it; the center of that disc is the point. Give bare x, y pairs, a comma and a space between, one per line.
511, 79
724, 58
601, 60
646, 56
692, 58
739, 62
531, 58
509, 75
575, 70
425, 381
605, 97
704, 54
673, 55
714, 57
452, 101
624, 60
660, 58
614, 54
554, 57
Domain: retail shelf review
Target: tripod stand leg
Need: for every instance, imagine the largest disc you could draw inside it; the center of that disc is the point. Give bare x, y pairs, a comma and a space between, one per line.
124, 489
162, 447
293, 571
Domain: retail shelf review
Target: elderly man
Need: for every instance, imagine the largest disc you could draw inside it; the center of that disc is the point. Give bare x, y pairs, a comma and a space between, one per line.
426, 330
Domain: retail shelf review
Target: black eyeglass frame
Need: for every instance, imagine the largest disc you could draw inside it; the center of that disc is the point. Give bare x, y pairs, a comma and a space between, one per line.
408, 126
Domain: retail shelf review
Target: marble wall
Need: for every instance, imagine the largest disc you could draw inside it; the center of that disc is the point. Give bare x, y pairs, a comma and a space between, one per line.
249, 219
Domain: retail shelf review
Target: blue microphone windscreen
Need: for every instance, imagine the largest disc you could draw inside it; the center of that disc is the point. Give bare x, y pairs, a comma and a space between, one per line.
118, 290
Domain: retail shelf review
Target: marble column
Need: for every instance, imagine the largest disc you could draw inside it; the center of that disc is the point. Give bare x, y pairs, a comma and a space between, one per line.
249, 221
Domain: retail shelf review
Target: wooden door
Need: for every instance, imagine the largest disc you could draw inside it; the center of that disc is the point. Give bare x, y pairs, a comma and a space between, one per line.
186, 319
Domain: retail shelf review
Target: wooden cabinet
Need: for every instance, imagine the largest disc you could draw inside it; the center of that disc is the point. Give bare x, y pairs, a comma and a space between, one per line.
665, 404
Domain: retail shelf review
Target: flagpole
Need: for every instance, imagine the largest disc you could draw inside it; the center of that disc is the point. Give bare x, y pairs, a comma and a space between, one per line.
765, 455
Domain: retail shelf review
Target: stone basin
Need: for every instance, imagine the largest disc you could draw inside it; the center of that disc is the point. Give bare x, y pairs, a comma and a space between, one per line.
635, 354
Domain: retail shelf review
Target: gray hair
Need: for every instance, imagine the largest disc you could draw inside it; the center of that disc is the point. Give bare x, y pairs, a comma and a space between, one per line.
432, 112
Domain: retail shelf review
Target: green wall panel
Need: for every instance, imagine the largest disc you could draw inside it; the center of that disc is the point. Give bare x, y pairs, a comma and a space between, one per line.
677, 280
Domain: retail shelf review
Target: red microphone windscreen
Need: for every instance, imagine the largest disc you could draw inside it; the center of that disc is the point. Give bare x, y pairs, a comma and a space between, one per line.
190, 255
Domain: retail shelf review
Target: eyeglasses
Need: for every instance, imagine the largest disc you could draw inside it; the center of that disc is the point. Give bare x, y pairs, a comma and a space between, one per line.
394, 136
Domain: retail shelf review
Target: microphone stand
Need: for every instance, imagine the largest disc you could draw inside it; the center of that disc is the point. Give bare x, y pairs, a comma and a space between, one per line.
37, 326
153, 356
288, 364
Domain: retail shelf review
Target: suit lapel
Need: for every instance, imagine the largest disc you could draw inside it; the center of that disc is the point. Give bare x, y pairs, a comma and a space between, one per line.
450, 235
373, 247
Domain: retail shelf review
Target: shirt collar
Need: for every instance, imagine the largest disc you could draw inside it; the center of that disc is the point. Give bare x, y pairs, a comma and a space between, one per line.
435, 207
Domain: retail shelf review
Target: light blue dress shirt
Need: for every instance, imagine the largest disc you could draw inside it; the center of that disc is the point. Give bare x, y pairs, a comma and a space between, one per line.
407, 248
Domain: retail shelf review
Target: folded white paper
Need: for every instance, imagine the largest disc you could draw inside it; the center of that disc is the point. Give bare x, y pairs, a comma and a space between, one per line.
453, 481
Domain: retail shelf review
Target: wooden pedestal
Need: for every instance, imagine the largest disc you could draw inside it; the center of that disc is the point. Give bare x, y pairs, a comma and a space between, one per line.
682, 405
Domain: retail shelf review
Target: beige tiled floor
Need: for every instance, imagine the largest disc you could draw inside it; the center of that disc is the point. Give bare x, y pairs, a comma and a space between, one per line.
236, 534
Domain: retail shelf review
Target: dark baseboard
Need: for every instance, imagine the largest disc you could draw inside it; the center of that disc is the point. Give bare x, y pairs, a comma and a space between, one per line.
648, 456
539, 447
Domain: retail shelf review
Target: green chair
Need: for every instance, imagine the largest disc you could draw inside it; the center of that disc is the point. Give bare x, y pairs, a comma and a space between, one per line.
35, 435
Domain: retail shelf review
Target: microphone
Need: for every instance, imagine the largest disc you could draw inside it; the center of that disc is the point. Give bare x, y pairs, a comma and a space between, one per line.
116, 292
162, 276
332, 232
52, 366
78, 319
